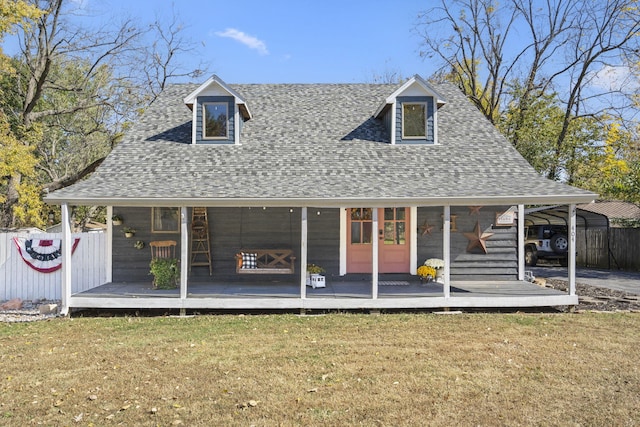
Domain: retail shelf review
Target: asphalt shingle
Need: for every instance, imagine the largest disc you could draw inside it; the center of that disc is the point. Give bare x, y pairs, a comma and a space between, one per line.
314, 142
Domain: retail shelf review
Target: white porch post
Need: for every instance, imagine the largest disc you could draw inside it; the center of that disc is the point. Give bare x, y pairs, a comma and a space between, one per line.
413, 238
109, 246
66, 260
446, 250
184, 251
303, 253
343, 241
571, 270
374, 248
521, 242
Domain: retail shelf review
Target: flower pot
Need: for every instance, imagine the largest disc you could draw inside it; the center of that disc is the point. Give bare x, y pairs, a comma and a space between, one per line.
317, 281
129, 235
116, 222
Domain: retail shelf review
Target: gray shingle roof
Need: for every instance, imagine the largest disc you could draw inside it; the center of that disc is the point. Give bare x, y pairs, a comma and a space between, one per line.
314, 144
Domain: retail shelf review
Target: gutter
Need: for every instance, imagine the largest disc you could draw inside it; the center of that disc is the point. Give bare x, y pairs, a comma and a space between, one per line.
323, 202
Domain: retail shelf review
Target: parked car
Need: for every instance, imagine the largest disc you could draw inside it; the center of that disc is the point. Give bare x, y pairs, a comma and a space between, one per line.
546, 242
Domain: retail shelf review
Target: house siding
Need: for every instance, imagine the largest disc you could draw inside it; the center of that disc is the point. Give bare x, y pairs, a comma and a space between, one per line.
430, 138
131, 264
231, 230
234, 229
499, 263
230, 120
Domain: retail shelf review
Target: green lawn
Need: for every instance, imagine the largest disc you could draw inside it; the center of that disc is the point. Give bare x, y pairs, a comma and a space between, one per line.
337, 369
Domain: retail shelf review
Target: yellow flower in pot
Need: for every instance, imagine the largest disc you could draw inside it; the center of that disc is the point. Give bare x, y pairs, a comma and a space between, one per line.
426, 272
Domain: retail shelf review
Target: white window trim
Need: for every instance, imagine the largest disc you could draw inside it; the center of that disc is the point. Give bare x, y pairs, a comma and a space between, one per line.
236, 118
204, 127
393, 122
424, 105
435, 121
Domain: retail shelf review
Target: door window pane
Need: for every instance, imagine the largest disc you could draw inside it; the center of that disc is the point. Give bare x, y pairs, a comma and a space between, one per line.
361, 226
367, 232
389, 233
359, 214
400, 233
356, 233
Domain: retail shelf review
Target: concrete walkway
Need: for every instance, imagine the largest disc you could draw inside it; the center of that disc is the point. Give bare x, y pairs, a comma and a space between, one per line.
625, 281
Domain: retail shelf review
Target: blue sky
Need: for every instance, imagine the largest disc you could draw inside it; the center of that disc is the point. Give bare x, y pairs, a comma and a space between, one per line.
277, 41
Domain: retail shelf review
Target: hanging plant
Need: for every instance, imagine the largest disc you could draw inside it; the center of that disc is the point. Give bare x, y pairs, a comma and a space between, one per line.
129, 232
166, 273
116, 220
139, 244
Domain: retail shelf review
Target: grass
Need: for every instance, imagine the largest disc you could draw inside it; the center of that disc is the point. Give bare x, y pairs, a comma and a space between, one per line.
338, 369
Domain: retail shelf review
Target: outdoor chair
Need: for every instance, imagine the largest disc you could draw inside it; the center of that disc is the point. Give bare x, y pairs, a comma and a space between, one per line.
163, 249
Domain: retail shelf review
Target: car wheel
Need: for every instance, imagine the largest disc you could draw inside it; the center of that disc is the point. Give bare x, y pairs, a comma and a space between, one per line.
559, 243
530, 257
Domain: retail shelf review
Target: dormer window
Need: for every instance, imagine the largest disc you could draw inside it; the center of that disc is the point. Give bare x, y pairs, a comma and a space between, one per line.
414, 122
218, 113
216, 120
410, 113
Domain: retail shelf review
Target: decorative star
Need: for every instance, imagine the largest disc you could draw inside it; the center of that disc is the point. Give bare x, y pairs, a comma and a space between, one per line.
477, 238
426, 228
474, 210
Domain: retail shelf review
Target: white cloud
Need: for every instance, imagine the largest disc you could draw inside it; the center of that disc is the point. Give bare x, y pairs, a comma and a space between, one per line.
614, 78
247, 40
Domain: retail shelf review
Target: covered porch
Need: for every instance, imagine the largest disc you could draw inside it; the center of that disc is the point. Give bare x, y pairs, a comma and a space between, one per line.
374, 290
394, 292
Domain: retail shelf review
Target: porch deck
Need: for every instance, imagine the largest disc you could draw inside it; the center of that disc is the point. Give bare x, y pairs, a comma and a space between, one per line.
338, 294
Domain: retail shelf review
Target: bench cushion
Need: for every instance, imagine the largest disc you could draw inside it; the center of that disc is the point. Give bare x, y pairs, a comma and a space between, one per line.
249, 260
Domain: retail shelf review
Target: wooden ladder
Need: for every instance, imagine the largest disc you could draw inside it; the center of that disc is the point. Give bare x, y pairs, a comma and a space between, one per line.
200, 247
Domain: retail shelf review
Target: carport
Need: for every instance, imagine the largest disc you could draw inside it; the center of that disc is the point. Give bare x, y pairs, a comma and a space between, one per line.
589, 245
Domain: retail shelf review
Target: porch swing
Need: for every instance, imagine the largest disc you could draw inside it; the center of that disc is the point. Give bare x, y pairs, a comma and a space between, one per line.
265, 261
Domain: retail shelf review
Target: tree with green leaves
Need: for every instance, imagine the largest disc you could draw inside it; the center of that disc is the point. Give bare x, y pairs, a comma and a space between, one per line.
79, 88
15, 157
549, 49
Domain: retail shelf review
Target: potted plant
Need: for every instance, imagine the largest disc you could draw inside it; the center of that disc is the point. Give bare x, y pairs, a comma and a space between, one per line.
314, 276
426, 273
166, 273
129, 232
139, 244
116, 220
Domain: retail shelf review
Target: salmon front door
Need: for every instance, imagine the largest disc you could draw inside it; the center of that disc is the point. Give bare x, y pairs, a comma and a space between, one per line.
392, 235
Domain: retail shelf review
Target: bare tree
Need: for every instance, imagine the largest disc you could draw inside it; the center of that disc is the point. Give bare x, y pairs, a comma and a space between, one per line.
86, 84
160, 65
541, 45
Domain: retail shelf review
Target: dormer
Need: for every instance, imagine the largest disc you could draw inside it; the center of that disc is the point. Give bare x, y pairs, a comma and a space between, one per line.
410, 113
218, 113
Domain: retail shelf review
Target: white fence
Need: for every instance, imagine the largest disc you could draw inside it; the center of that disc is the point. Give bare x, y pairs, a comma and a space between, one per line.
19, 280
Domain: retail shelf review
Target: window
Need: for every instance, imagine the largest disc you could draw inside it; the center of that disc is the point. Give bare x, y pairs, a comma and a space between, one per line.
215, 118
414, 124
361, 226
165, 220
395, 221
